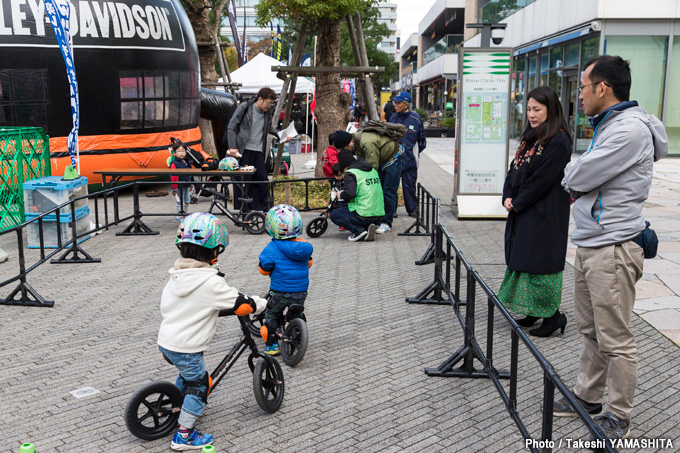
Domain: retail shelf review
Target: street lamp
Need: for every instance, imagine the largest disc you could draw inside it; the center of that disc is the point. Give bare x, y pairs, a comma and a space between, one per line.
490, 32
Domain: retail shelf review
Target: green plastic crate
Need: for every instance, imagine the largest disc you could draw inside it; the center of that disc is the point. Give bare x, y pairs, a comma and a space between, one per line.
24, 156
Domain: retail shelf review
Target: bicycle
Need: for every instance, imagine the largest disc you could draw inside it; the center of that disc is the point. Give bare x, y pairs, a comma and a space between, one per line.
253, 221
154, 409
318, 226
293, 334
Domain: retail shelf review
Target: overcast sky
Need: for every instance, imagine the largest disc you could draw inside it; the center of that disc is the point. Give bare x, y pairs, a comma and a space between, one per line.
409, 15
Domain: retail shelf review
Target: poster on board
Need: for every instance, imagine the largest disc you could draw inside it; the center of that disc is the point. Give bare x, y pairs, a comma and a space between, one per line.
483, 121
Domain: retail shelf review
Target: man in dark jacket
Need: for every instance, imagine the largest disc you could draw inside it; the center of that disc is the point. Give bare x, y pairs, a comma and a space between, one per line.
389, 109
247, 139
364, 196
415, 134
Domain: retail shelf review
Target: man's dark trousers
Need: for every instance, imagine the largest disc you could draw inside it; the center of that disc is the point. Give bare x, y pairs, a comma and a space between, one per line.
389, 178
409, 176
258, 192
343, 217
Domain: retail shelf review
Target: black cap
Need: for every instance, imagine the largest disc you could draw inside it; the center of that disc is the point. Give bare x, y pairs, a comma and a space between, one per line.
341, 139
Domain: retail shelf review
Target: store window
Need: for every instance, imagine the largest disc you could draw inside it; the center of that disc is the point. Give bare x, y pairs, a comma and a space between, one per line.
673, 103
518, 82
158, 99
545, 64
571, 57
584, 132
647, 57
531, 80
555, 75
24, 97
589, 48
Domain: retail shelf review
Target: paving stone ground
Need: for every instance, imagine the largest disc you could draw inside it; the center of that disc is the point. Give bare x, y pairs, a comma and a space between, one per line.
361, 386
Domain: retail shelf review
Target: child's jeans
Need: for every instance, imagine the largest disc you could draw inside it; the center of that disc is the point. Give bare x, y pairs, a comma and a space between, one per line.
273, 317
182, 200
191, 368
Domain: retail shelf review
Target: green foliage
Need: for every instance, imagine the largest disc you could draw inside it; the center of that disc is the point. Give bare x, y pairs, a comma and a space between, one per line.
309, 12
422, 113
449, 122
374, 33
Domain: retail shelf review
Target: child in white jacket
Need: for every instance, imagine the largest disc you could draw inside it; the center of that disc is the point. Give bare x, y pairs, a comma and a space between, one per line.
190, 305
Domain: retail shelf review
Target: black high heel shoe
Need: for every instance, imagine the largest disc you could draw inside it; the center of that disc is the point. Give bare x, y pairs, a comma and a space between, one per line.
527, 321
550, 325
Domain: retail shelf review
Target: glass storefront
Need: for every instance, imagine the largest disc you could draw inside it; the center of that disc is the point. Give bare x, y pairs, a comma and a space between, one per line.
584, 132
673, 104
647, 57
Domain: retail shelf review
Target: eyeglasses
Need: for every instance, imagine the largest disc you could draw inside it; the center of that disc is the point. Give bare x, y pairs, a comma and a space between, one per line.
580, 88
270, 102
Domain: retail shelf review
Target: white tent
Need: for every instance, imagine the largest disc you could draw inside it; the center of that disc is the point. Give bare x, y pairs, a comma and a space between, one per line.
257, 73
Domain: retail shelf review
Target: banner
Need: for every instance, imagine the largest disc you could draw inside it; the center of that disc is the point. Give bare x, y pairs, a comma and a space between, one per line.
279, 42
59, 13
234, 32
290, 56
306, 60
271, 30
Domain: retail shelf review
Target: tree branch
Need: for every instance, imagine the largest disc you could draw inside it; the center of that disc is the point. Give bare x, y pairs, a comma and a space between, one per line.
190, 4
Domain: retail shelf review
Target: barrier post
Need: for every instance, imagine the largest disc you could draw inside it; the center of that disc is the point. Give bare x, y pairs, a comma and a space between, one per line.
420, 190
24, 287
137, 227
436, 286
75, 246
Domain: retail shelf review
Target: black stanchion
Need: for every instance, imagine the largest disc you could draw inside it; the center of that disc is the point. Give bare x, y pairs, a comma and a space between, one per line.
24, 288
137, 227
420, 193
435, 288
75, 246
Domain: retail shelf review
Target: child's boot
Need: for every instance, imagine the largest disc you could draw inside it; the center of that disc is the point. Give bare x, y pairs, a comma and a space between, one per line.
273, 349
190, 440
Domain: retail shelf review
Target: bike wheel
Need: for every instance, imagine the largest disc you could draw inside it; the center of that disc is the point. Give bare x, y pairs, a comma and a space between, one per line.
254, 323
153, 410
294, 343
317, 227
254, 222
268, 384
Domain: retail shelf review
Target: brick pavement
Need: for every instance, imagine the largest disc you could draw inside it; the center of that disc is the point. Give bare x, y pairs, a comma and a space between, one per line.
361, 386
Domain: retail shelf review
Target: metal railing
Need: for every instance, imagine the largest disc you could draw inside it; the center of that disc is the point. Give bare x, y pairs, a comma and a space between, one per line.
427, 216
446, 289
25, 295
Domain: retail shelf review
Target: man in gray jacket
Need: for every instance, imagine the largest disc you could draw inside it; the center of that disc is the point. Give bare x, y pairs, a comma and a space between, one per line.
247, 139
610, 183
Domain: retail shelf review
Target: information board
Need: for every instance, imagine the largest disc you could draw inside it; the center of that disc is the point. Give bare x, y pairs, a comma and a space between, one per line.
483, 120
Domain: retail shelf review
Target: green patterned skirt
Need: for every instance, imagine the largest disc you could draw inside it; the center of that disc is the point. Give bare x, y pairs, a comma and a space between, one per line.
536, 295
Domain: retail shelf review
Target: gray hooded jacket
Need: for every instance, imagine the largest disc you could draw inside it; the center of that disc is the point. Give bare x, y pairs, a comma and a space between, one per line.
611, 180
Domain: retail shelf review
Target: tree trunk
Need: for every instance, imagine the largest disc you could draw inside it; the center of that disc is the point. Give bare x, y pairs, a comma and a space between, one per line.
330, 111
203, 30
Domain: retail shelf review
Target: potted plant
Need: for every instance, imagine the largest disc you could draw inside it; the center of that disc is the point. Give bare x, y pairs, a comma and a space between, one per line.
450, 125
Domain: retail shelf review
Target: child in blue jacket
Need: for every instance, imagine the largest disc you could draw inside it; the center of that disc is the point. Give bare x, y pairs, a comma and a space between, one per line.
287, 260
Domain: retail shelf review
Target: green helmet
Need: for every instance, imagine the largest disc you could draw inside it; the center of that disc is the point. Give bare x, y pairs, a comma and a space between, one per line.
203, 229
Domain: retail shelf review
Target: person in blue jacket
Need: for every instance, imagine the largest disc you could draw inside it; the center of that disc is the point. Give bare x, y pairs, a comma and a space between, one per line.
287, 260
415, 134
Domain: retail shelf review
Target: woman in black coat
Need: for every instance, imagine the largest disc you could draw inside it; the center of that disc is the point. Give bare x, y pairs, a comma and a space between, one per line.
536, 231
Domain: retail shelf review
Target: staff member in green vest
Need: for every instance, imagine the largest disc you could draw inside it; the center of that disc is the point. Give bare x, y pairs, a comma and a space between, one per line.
364, 196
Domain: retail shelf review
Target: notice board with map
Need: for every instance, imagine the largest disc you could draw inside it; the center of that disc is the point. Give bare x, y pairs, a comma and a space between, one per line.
483, 112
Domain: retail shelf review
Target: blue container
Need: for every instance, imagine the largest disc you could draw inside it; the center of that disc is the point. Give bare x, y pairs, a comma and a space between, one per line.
44, 194
49, 226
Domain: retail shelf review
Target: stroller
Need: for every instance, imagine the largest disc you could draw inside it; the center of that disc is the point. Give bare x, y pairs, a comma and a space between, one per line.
203, 161
318, 226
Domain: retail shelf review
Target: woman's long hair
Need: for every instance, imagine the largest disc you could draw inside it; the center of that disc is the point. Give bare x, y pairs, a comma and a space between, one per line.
553, 123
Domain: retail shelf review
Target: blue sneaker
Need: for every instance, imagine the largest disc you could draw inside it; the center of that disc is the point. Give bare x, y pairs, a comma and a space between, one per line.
194, 441
273, 349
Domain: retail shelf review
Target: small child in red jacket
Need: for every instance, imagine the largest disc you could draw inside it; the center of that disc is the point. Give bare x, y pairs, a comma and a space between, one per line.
338, 140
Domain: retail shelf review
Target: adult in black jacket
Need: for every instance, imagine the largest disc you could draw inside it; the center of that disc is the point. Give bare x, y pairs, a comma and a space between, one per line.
536, 231
247, 139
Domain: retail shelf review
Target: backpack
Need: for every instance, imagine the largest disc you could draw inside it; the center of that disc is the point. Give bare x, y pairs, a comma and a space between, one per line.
395, 132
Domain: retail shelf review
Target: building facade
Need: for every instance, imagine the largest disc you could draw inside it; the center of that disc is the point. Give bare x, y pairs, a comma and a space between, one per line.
428, 59
388, 16
246, 14
553, 39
